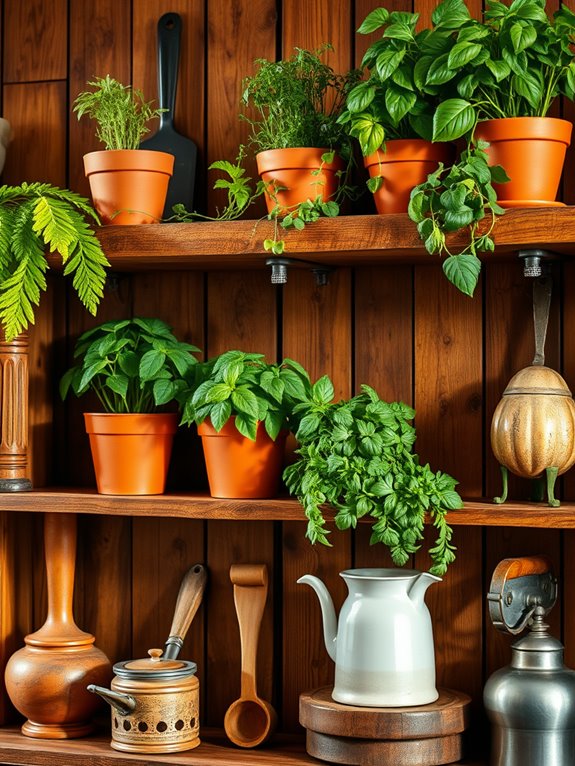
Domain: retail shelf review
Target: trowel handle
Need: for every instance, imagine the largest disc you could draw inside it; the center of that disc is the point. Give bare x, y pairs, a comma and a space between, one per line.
187, 604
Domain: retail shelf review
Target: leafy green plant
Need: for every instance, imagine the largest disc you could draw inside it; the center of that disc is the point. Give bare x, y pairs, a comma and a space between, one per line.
357, 456
241, 194
297, 102
34, 217
454, 198
132, 365
244, 386
513, 64
120, 112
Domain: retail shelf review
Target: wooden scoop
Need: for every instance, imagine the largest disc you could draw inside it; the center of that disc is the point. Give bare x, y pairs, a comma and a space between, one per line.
249, 720
187, 603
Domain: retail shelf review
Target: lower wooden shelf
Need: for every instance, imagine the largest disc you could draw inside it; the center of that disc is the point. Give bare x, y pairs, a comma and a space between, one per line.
96, 751
201, 506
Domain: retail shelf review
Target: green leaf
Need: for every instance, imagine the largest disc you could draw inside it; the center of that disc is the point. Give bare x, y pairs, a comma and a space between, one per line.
369, 133
164, 391
151, 363
499, 69
374, 183
387, 62
360, 97
246, 425
439, 72
118, 384
453, 119
323, 391
522, 36
373, 21
398, 102
219, 392
220, 414
450, 14
461, 54
245, 401
463, 271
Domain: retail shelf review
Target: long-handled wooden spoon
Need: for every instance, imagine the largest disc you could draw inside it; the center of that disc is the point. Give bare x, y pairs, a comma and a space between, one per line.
249, 720
187, 603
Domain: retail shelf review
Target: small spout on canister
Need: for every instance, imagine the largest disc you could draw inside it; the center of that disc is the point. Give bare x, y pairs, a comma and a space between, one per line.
123, 703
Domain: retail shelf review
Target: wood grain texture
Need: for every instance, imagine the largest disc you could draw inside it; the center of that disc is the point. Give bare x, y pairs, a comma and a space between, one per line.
99, 42
37, 32
14, 377
310, 25
238, 33
36, 112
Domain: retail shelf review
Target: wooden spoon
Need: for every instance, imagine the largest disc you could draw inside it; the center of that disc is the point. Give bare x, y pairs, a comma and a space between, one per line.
249, 720
187, 603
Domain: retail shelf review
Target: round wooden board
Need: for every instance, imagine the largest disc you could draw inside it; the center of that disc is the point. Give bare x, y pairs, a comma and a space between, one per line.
369, 752
446, 716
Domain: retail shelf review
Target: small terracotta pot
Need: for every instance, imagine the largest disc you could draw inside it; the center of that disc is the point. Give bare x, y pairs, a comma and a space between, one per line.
131, 453
292, 170
404, 164
238, 467
532, 152
129, 186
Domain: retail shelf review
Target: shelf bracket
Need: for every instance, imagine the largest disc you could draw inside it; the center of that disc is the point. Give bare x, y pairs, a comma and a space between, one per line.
279, 267
536, 262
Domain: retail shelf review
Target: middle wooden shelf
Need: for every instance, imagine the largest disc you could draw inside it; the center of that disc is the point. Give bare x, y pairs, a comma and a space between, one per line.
202, 506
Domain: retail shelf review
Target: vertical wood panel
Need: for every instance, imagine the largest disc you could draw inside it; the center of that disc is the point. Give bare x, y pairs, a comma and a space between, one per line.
234, 300
7, 606
238, 33
311, 24
37, 31
317, 333
37, 113
99, 45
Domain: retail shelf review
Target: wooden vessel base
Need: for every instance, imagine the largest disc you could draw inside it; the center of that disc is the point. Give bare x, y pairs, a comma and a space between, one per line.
399, 736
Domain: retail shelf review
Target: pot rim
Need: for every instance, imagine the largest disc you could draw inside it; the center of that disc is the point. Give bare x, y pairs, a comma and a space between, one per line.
188, 668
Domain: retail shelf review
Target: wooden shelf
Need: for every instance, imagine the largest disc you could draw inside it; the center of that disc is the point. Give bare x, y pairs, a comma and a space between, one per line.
342, 241
202, 506
96, 751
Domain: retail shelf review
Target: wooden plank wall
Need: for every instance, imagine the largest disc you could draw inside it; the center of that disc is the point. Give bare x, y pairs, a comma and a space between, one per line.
403, 330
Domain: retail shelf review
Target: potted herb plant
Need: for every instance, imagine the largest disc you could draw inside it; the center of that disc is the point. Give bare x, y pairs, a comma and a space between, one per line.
391, 112
499, 78
128, 185
302, 152
242, 406
134, 366
35, 217
357, 456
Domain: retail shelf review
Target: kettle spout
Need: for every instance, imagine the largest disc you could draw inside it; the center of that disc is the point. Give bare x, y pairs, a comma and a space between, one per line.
419, 586
123, 703
327, 612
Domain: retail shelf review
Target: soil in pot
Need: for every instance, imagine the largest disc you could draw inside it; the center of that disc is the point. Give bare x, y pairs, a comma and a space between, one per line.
296, 175
129, 186
405, 163
532, 151
131, 452
238, 467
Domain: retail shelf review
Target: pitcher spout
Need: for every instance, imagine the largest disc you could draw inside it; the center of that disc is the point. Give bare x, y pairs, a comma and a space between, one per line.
327, 611
123, 703
420, 585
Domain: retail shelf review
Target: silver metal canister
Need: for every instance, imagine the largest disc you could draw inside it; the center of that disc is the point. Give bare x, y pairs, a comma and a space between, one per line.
530, 703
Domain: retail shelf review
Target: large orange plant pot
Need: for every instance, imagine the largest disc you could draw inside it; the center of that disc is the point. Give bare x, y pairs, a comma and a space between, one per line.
532, 152
131, 453
292, 176
129, 186
238, 467
405, 163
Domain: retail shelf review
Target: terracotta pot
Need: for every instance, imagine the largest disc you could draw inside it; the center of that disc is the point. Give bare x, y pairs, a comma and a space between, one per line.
292, 170
131, 453
404, 164
238, 467
532, 151
129, 186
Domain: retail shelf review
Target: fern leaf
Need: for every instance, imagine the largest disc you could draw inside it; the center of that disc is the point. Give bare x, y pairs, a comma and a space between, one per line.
6, 228
88, 264
52, 222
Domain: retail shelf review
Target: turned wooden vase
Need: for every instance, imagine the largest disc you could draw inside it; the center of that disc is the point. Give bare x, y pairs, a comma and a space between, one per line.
47, 679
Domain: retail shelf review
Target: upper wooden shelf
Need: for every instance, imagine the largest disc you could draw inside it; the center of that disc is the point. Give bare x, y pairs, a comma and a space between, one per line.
202, 506
342, 241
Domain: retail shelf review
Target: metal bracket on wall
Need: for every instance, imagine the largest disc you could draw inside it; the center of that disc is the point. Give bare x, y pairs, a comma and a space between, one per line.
536, 262
279, 267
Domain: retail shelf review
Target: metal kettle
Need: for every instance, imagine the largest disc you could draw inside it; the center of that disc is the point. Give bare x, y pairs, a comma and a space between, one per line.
530, 703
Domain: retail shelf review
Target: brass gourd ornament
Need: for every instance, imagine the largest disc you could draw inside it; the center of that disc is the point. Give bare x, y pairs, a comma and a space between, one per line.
533, 426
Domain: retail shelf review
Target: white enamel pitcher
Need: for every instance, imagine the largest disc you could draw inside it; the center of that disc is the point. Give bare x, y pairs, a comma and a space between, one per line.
383, 645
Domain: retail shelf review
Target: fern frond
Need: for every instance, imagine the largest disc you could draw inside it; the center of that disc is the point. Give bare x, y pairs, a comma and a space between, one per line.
87, 263
6, 228
53, 223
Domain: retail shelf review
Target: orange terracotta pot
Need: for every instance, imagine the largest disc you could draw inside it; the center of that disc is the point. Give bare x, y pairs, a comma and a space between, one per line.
131, 453
129, 186
238, 467
292, 169
405, 163
532, 151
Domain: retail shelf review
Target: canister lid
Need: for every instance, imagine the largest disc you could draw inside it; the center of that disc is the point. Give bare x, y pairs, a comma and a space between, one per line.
154, 667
